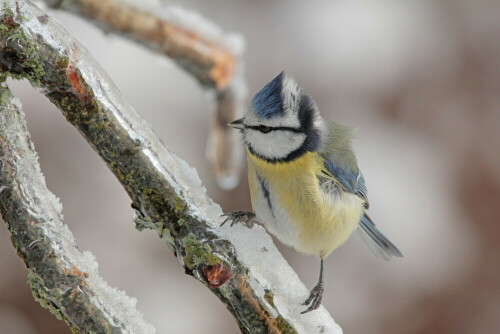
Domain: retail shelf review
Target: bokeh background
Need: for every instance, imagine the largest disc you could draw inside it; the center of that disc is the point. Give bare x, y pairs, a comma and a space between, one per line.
421, 79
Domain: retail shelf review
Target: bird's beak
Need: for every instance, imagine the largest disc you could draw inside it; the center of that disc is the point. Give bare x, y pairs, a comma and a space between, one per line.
238, 124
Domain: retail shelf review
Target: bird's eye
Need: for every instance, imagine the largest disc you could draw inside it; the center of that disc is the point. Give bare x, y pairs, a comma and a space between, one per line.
264, 129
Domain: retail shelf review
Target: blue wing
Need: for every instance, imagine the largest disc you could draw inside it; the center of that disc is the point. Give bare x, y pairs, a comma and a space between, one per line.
354, 182
351, 179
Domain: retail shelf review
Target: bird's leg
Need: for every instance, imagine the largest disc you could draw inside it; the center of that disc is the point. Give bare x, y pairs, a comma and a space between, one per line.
244, 217
316, 294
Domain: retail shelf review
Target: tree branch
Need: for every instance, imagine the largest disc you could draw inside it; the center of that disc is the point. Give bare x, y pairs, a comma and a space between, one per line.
211, 56
241, 267
63, 279
212, 64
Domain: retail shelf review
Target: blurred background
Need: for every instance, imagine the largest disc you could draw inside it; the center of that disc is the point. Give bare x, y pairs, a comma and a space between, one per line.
420, 79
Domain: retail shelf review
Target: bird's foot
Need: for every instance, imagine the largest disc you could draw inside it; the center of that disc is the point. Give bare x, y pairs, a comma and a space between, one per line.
315, 298
244, 217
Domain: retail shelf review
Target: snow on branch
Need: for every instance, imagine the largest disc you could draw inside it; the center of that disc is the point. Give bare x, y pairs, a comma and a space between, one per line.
241, 267
63, 279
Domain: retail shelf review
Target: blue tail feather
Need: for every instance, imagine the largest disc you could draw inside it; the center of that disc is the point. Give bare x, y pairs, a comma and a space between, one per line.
376, 240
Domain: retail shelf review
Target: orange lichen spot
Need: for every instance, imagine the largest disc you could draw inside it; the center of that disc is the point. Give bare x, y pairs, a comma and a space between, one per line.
247, 294
72, 75
73, 293
74, 271
217, 275
80, 275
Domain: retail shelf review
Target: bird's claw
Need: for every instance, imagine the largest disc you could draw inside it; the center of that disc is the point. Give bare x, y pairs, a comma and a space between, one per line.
244, 217
314, 299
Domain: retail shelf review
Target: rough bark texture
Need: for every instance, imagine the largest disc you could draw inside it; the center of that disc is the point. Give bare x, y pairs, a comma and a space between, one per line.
165, 193
58, 271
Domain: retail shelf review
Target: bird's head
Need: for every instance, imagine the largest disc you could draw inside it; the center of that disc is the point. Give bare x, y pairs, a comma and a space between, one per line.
282, 122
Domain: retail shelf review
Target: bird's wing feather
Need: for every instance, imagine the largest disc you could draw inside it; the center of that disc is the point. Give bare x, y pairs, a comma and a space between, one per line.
340, 162
341, 166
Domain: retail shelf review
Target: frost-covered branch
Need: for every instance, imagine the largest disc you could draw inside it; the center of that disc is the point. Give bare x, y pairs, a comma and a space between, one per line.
63, 279
210, 55
240, 266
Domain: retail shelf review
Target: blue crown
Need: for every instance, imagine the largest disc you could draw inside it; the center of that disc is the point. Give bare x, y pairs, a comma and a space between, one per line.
268, 102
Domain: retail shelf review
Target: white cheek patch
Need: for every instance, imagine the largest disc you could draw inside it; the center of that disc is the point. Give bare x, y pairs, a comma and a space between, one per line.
276, 144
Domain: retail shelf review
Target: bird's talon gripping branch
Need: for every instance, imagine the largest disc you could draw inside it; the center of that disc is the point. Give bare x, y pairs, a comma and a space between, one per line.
244, 217
315, 297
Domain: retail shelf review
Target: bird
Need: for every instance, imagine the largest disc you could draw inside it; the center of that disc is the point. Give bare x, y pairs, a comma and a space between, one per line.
305, 184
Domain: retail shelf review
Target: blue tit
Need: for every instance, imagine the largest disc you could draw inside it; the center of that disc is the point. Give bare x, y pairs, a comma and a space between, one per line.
305, 184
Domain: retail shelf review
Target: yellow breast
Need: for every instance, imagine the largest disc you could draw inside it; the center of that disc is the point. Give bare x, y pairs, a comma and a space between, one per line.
305, 216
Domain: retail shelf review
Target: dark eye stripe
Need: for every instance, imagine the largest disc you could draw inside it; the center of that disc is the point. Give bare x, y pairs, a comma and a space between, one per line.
267, 129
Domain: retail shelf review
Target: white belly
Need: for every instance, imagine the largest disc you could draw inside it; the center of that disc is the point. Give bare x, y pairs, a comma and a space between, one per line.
274, 218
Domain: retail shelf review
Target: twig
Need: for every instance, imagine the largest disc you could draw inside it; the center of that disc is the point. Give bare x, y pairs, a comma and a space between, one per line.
258, 288
224, 148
